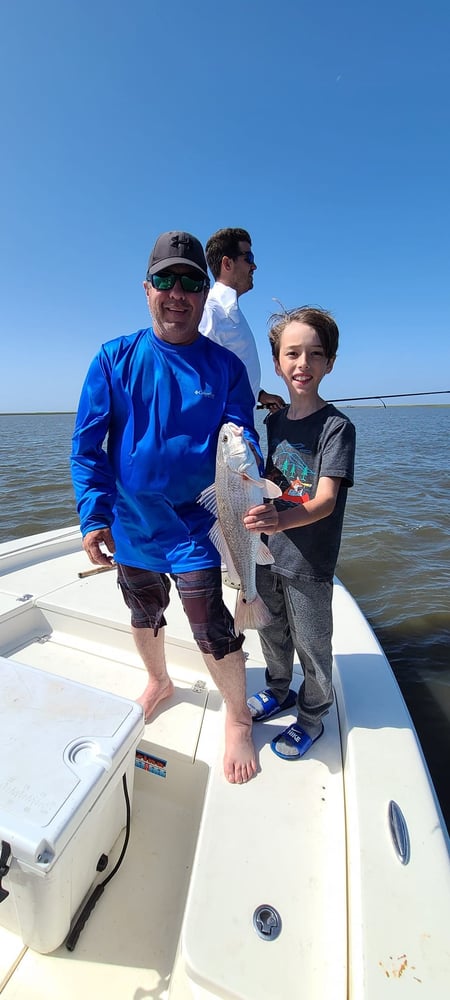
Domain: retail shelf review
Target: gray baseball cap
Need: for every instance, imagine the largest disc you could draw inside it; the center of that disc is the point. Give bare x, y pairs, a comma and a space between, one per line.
177, 248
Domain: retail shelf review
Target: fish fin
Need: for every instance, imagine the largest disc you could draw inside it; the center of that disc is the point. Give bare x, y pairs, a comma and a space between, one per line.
218, 539
271, 490
232, 575
268, 489
232, 572
251, 614
208, 498
264, 556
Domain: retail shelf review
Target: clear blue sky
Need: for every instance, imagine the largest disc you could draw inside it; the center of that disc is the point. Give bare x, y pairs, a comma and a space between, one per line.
322, 127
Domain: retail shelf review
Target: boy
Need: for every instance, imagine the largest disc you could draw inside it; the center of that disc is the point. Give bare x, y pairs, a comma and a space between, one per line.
311, 449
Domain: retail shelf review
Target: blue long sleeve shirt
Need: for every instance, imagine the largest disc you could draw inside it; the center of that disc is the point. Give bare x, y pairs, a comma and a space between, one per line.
145, 442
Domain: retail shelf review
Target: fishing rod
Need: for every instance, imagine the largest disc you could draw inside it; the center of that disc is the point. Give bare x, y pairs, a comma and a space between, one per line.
395, 395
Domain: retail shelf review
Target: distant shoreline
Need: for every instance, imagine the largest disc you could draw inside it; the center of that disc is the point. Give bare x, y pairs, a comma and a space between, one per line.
38, 413
344, 405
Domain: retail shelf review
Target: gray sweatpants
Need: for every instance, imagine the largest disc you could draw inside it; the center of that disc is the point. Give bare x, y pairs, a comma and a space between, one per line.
302, 623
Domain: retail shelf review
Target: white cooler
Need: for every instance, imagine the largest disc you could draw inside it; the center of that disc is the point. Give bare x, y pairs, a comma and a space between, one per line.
64, 748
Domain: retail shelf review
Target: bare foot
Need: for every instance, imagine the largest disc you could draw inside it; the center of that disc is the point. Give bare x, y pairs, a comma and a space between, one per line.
239, 762
153, 694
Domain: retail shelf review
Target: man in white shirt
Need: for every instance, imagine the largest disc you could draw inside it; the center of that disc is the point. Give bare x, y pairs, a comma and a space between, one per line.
231, 262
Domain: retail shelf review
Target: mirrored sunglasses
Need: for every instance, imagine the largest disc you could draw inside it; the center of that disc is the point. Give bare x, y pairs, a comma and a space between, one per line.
164, 282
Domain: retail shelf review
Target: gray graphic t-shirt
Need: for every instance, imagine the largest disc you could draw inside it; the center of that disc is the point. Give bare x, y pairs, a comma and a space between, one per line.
299, 453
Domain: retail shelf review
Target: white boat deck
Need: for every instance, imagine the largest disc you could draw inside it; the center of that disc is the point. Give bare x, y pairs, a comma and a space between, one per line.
177, 919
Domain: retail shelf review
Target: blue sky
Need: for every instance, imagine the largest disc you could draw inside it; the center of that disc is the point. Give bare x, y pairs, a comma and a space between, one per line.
321, 127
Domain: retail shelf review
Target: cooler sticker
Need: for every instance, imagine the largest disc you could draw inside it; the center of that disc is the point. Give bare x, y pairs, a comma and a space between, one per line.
147, 762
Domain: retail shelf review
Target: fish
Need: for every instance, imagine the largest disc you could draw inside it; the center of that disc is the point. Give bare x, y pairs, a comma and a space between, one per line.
237, 487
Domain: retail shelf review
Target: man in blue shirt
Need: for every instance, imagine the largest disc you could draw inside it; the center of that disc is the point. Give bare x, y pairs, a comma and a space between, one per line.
159, 398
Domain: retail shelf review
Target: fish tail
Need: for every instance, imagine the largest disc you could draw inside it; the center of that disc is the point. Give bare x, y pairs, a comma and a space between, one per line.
251, 614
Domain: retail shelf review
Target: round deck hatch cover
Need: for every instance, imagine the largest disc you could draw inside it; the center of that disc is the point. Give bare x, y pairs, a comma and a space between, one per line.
267, 922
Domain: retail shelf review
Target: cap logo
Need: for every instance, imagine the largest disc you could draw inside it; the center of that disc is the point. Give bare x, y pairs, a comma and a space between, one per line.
178, 241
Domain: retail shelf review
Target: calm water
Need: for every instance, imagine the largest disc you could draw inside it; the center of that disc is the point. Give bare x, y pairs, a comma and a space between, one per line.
394, 555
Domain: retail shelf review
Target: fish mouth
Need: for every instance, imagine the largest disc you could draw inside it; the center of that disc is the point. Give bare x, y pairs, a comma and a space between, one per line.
233, 429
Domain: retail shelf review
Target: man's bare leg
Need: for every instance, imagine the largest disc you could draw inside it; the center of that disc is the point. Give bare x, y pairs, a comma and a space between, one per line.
151, 651
229, 676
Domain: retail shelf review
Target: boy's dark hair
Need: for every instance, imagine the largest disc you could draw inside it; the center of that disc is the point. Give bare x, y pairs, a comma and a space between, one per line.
320, 320
224, 243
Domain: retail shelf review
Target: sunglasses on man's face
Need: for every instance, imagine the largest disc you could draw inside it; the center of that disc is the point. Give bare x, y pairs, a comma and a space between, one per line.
164, 282
248, 256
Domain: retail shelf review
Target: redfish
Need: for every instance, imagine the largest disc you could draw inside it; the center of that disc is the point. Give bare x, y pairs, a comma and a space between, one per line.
237, 487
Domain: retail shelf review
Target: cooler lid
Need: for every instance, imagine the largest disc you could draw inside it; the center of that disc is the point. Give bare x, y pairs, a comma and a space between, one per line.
60, 743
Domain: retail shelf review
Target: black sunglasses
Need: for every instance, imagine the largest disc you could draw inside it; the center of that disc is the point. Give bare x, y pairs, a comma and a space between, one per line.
164, 282
248, 256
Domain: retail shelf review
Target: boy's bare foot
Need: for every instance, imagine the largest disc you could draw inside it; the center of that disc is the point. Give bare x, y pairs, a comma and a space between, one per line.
239, 762
155, 692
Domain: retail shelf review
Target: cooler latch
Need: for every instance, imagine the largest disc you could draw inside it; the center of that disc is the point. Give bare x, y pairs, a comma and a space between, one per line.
4, 869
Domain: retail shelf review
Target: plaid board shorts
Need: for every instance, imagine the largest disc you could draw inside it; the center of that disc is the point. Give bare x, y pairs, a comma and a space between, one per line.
146, 594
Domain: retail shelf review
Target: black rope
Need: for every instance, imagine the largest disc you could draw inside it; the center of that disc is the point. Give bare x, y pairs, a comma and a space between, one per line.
75, 931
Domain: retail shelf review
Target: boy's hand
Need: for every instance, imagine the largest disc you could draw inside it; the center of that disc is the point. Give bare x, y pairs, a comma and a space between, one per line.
263, 519
270, 401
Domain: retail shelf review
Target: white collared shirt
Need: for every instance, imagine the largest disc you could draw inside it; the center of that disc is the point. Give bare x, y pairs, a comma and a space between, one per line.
224, 322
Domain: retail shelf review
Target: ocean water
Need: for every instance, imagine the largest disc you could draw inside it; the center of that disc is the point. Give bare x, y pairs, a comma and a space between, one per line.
395, 549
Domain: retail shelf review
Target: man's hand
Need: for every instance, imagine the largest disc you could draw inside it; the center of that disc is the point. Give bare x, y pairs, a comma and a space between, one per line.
263, 519
92, 542
269, 401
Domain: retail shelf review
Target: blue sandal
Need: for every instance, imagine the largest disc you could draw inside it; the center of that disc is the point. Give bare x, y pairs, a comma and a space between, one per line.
296, 738
267, 705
